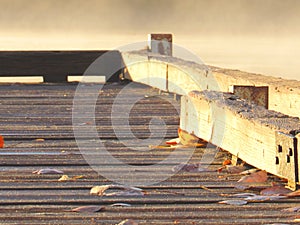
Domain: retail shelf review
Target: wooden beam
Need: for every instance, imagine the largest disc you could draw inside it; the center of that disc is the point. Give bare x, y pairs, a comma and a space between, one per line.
55, 66
180, 76
246, 130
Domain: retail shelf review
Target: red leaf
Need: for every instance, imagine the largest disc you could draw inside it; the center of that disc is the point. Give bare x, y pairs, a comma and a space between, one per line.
226, 162
294, 194
1, 141
275, 190
174, 141
258, 177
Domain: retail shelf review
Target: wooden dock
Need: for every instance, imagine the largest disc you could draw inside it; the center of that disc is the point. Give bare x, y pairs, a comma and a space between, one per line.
36, 122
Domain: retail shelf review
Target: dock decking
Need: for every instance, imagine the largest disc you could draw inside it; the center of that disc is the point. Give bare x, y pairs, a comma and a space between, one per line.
36, 122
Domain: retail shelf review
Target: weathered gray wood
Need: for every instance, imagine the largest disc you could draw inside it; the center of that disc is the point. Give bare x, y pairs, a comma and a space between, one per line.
28, 198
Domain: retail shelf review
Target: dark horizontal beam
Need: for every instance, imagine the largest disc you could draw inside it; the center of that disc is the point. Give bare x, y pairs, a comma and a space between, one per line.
55, 66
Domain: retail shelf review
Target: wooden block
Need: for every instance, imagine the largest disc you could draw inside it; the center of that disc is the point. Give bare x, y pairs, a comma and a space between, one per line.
160, 44
240, 127
257, 95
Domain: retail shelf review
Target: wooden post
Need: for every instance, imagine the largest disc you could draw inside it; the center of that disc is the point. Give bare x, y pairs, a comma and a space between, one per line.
160, 44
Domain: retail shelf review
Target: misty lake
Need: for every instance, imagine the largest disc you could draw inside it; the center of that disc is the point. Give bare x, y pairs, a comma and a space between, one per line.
272, 56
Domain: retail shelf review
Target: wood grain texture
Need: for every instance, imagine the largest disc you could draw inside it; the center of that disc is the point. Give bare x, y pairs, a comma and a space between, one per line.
185, 198
244, 129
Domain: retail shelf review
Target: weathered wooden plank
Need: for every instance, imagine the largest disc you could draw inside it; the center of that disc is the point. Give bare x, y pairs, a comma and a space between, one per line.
41, 199
180, 76
244, 129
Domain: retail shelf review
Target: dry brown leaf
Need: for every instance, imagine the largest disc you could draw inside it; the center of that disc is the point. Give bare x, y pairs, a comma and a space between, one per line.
248, 172
258, 177
294, 194
174, 141
234, 202
235, 169
262, 198
1, 141
242, 195
88, 209
128, 222
190, 139
40, 140
67, 178
48, 171
77, 177
125, 191
292, 209
252, 186
64, 178
168, 147
275, 190
99, 190
195, 167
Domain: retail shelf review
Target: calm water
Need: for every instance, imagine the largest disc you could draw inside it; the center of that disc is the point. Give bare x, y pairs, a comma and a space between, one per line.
273, 56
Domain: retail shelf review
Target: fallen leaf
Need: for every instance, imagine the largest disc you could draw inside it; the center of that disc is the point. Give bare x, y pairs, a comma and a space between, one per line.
164, 192
40, 140
226, 162
262, 198
125, 191
176, 222
195, 167
67, 178
174, 141
257, 177
275, 190
248, 172
190, 139
235, 169
77, 177
128, 222
88, 209
294, 194
234, 202
48, 171
99, 190
206, 188
252, 186
1, 142
242, 195
168, 147
220, 169
292, 209
64, 178
120, 204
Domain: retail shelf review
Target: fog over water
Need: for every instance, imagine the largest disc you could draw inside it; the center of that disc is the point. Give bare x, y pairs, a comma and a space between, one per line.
258, 36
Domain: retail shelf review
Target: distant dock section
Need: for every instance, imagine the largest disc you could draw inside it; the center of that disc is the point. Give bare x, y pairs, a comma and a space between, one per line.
56, 66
